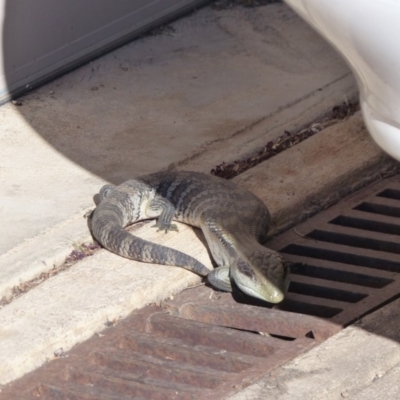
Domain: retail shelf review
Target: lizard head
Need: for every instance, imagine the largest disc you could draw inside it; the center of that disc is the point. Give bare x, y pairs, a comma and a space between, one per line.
268, 281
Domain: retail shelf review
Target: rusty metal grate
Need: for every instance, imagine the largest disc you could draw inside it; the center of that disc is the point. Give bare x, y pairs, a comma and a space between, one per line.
206, 345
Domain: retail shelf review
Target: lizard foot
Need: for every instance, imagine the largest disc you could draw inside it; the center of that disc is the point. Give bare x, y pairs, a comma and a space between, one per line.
219, 278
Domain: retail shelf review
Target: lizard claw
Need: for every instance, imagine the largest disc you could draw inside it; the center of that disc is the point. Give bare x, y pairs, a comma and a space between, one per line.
165, 227
172, 227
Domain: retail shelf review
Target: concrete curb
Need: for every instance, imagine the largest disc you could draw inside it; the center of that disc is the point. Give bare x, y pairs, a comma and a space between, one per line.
317, 173
41, 253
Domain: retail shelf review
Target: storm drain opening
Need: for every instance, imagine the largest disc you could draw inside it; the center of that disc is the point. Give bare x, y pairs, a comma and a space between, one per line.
205, 344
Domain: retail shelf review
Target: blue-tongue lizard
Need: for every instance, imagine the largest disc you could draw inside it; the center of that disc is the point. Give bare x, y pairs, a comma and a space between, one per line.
233, 220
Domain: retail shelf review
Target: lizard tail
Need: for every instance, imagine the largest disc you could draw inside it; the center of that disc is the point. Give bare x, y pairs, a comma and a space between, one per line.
117, 240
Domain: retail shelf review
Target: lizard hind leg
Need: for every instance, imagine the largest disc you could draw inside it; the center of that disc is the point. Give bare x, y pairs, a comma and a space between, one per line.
104, 192
98, 198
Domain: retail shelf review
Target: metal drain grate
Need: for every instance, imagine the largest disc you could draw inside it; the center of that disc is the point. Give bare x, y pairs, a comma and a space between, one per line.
347, 257
206, 345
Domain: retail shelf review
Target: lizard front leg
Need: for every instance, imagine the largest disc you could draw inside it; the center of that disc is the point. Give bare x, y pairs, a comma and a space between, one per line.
164, 211
220, 279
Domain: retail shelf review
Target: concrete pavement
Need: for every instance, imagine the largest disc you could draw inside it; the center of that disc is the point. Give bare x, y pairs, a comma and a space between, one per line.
230, 79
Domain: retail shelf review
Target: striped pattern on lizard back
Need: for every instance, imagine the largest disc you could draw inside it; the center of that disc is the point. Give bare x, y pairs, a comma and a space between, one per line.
234, 222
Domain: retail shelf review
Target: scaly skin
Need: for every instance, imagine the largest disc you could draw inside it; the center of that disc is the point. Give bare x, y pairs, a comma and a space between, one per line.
233, 220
